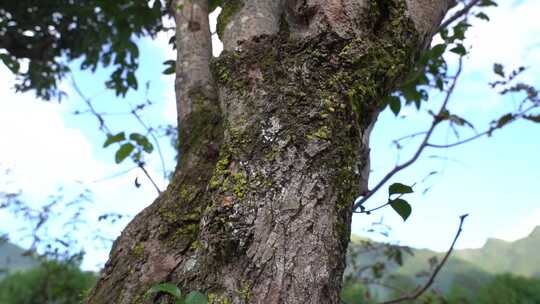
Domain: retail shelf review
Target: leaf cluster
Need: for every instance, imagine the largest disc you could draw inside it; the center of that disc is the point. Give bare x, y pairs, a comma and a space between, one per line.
49, 34
52, 282
134, 145
173, 291
431, 71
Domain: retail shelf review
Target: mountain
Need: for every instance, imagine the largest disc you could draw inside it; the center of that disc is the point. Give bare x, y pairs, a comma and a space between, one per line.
468, 267
496, 256
12, 259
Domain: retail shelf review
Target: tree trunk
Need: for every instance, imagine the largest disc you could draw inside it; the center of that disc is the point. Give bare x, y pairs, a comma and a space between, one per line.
259, 208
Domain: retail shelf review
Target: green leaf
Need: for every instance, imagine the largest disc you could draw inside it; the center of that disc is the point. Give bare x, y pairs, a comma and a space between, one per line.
196, 297
398, 188
534, 118
498, 69
505, 119
10, 62
132, 80
111, 139
487, 3
460, 121
142, 141
133, 49
439, 83
171, 67
459, 31
395, 104
482, 16
169, 70
459, 49
167, 288
402, 208
124, 151
438, 50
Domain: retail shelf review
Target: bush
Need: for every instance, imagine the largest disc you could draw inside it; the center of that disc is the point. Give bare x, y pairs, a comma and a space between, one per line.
52, 282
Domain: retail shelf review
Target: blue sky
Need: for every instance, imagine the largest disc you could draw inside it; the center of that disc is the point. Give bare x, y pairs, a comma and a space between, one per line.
496, 180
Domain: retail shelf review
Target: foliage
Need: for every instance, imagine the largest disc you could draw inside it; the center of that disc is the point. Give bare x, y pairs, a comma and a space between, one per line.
355, 293
12, 259
503, 289
173, 291
101, 32
509, 289
52, 282
49, 34
376, 266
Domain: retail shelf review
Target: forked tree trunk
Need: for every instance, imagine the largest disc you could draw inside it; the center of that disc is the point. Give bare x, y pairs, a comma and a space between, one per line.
259, 209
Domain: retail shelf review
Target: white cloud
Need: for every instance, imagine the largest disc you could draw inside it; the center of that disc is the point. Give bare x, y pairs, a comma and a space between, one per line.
37, 146
511, 36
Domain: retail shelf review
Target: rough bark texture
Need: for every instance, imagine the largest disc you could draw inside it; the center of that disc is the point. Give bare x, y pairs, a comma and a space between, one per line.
259, 209
194, 47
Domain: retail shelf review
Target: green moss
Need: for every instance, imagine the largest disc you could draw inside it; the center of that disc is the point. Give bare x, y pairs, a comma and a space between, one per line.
187, 193
322, 133
229, 9
223, 74
274, 152
138, 300
244, 293
168, 215
239, 184
195, 245
187, 231
326, 91
220, 172
217, 299
138, 250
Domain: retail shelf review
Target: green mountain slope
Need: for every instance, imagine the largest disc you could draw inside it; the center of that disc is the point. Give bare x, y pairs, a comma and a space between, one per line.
469, 267
521, 257
12, 259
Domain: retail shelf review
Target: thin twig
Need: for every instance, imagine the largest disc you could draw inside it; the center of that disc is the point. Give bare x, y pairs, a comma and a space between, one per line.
465, 10
115, 175
420, 290
423, 145
489, 131
409, 136
141, 166
150, 132
103, 127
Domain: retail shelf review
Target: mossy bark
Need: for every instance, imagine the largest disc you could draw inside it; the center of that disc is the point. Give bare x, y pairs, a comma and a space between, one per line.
259, 210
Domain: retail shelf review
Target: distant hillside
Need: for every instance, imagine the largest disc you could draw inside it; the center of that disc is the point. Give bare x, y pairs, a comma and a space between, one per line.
520, 257
470, 267
12, 259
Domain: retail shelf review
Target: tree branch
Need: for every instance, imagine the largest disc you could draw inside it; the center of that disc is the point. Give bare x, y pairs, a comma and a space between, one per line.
488, 132
104, 128
436, 120
420, 290
465, 10
194, 45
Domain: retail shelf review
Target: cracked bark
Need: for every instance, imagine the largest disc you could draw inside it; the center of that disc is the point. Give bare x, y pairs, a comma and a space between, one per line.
273, 151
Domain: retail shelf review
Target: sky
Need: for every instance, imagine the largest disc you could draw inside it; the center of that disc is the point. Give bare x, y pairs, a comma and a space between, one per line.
496, 180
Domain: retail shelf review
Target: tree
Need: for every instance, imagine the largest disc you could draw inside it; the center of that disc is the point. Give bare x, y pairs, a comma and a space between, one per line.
503, 288
273, 148
273, 140
51, 282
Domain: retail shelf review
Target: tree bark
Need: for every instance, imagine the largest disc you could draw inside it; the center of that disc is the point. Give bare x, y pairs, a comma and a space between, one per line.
259, 208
